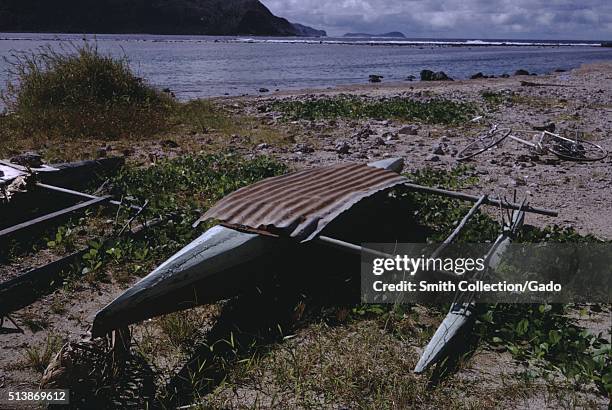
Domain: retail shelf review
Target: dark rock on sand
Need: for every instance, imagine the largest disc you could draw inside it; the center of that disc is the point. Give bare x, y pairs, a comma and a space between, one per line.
303, 148
375, 78
409, 130
428, 75
478, 76
521, 72
169, 144
550, 127
343, 148
439, 150
263, 90
28, 159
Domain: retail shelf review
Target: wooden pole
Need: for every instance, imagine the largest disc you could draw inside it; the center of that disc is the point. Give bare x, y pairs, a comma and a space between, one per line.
474, 198
459, 227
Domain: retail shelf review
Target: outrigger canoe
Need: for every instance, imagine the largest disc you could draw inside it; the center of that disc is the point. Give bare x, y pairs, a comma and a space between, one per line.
462, 313
198, 273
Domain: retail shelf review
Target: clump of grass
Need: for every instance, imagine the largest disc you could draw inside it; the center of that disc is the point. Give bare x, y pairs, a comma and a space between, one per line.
433, 111
494, 99
181, 328
34, 322
39, 357
79, 92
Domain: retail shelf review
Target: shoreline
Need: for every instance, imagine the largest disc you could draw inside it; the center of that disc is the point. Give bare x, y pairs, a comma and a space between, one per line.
251, 38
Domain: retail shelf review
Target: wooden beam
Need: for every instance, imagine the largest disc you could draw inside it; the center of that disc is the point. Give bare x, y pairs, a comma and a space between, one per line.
474, 198
81, 194
62, 213
25, 289
459, 227
351, 247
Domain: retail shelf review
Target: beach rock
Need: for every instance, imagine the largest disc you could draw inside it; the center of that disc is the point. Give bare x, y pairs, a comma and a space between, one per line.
263, 90
390, 136
303, 148
550, 127
101, 152
375, 78
439, 150
363, 133
428, 75
521, 72
409, 130
433, 158
505, 75
560, 70
378, 141
478, 76
343, 148
28, 159
410, 78
169, 144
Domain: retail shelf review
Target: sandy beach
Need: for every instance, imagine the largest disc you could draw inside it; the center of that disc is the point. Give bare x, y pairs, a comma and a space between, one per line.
579, 100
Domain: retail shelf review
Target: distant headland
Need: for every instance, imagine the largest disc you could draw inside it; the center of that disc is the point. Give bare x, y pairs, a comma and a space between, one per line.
392, 34
205, 17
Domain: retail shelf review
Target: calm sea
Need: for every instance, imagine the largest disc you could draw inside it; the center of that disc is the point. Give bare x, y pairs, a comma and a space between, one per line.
201, 66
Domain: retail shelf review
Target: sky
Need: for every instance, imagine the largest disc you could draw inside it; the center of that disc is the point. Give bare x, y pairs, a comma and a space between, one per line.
480, 19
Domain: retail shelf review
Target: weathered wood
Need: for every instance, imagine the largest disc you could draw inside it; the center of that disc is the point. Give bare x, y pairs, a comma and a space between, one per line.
473, 198
451, 238
351, 247
462, 312
81, 194
65, 191
25, 289
52, 217
76, 174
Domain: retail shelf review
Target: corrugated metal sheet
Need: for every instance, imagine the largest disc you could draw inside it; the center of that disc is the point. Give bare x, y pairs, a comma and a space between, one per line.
301, 204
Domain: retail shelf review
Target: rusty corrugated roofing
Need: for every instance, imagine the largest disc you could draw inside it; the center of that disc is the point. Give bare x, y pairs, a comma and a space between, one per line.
302, 203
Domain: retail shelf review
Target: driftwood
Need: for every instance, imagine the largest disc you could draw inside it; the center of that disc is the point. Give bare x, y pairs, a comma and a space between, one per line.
27, 288
531, 84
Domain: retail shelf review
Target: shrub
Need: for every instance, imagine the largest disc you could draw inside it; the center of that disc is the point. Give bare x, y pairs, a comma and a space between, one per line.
433, 111
80, 92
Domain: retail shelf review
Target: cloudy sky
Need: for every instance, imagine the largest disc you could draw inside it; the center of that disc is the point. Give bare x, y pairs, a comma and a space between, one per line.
526, 19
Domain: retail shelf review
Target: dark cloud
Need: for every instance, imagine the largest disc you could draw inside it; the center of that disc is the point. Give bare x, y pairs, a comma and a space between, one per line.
542, 19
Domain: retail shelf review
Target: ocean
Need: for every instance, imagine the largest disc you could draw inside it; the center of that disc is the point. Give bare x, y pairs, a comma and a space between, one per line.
205, 66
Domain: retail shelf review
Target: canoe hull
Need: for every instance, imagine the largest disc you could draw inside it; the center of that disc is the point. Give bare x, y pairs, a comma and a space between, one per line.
216, 265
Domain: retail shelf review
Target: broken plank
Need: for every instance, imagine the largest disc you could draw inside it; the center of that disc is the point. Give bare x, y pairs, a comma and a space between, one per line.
25, 289
54, 216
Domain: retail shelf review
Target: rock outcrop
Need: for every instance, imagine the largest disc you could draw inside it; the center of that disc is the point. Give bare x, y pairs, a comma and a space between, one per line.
428, 75
206, 17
